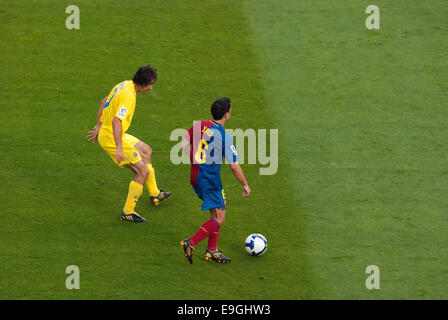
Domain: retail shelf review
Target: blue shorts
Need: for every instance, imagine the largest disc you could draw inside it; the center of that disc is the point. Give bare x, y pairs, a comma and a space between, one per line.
211, 198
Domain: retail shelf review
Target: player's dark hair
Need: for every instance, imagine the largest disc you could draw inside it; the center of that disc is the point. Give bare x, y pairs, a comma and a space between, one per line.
144, 76
220, 107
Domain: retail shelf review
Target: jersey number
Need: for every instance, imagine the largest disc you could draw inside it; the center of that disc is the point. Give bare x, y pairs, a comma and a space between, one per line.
200, 154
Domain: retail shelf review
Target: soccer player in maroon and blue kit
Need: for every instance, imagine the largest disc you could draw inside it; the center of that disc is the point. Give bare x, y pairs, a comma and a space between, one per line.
208, 143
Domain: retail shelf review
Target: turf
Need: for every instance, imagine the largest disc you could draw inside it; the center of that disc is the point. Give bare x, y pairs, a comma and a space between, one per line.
362, 148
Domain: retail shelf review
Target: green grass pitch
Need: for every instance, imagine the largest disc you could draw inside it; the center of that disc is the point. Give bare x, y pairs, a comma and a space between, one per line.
363, 156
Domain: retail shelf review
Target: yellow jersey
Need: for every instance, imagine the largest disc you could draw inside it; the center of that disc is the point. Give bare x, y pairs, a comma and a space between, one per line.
120, 103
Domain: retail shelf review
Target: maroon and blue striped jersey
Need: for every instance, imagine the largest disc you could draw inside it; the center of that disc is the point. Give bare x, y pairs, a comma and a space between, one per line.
209, 144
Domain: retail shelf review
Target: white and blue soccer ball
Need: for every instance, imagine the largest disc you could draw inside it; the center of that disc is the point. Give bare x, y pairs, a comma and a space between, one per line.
256, 244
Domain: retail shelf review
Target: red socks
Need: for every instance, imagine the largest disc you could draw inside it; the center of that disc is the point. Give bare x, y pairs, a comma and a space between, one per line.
213, 240
209, 228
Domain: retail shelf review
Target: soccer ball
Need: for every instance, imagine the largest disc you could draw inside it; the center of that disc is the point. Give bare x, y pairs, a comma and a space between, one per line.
256, 244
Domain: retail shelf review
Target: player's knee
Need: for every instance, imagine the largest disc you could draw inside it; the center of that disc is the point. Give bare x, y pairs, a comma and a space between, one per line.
147, 153
220, 218
147, 156
142, 173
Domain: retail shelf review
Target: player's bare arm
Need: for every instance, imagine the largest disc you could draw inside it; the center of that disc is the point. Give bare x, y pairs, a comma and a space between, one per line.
93, 134
118, 130
239, 175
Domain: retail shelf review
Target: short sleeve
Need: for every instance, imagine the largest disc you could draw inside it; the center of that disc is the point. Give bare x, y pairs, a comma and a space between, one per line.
230, 152
124, 107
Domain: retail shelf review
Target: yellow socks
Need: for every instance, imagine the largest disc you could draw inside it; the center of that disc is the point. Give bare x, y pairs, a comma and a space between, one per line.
135, 191
151, 183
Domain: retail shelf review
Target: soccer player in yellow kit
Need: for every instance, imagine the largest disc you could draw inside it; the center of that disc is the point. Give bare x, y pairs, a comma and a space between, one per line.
113, 120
